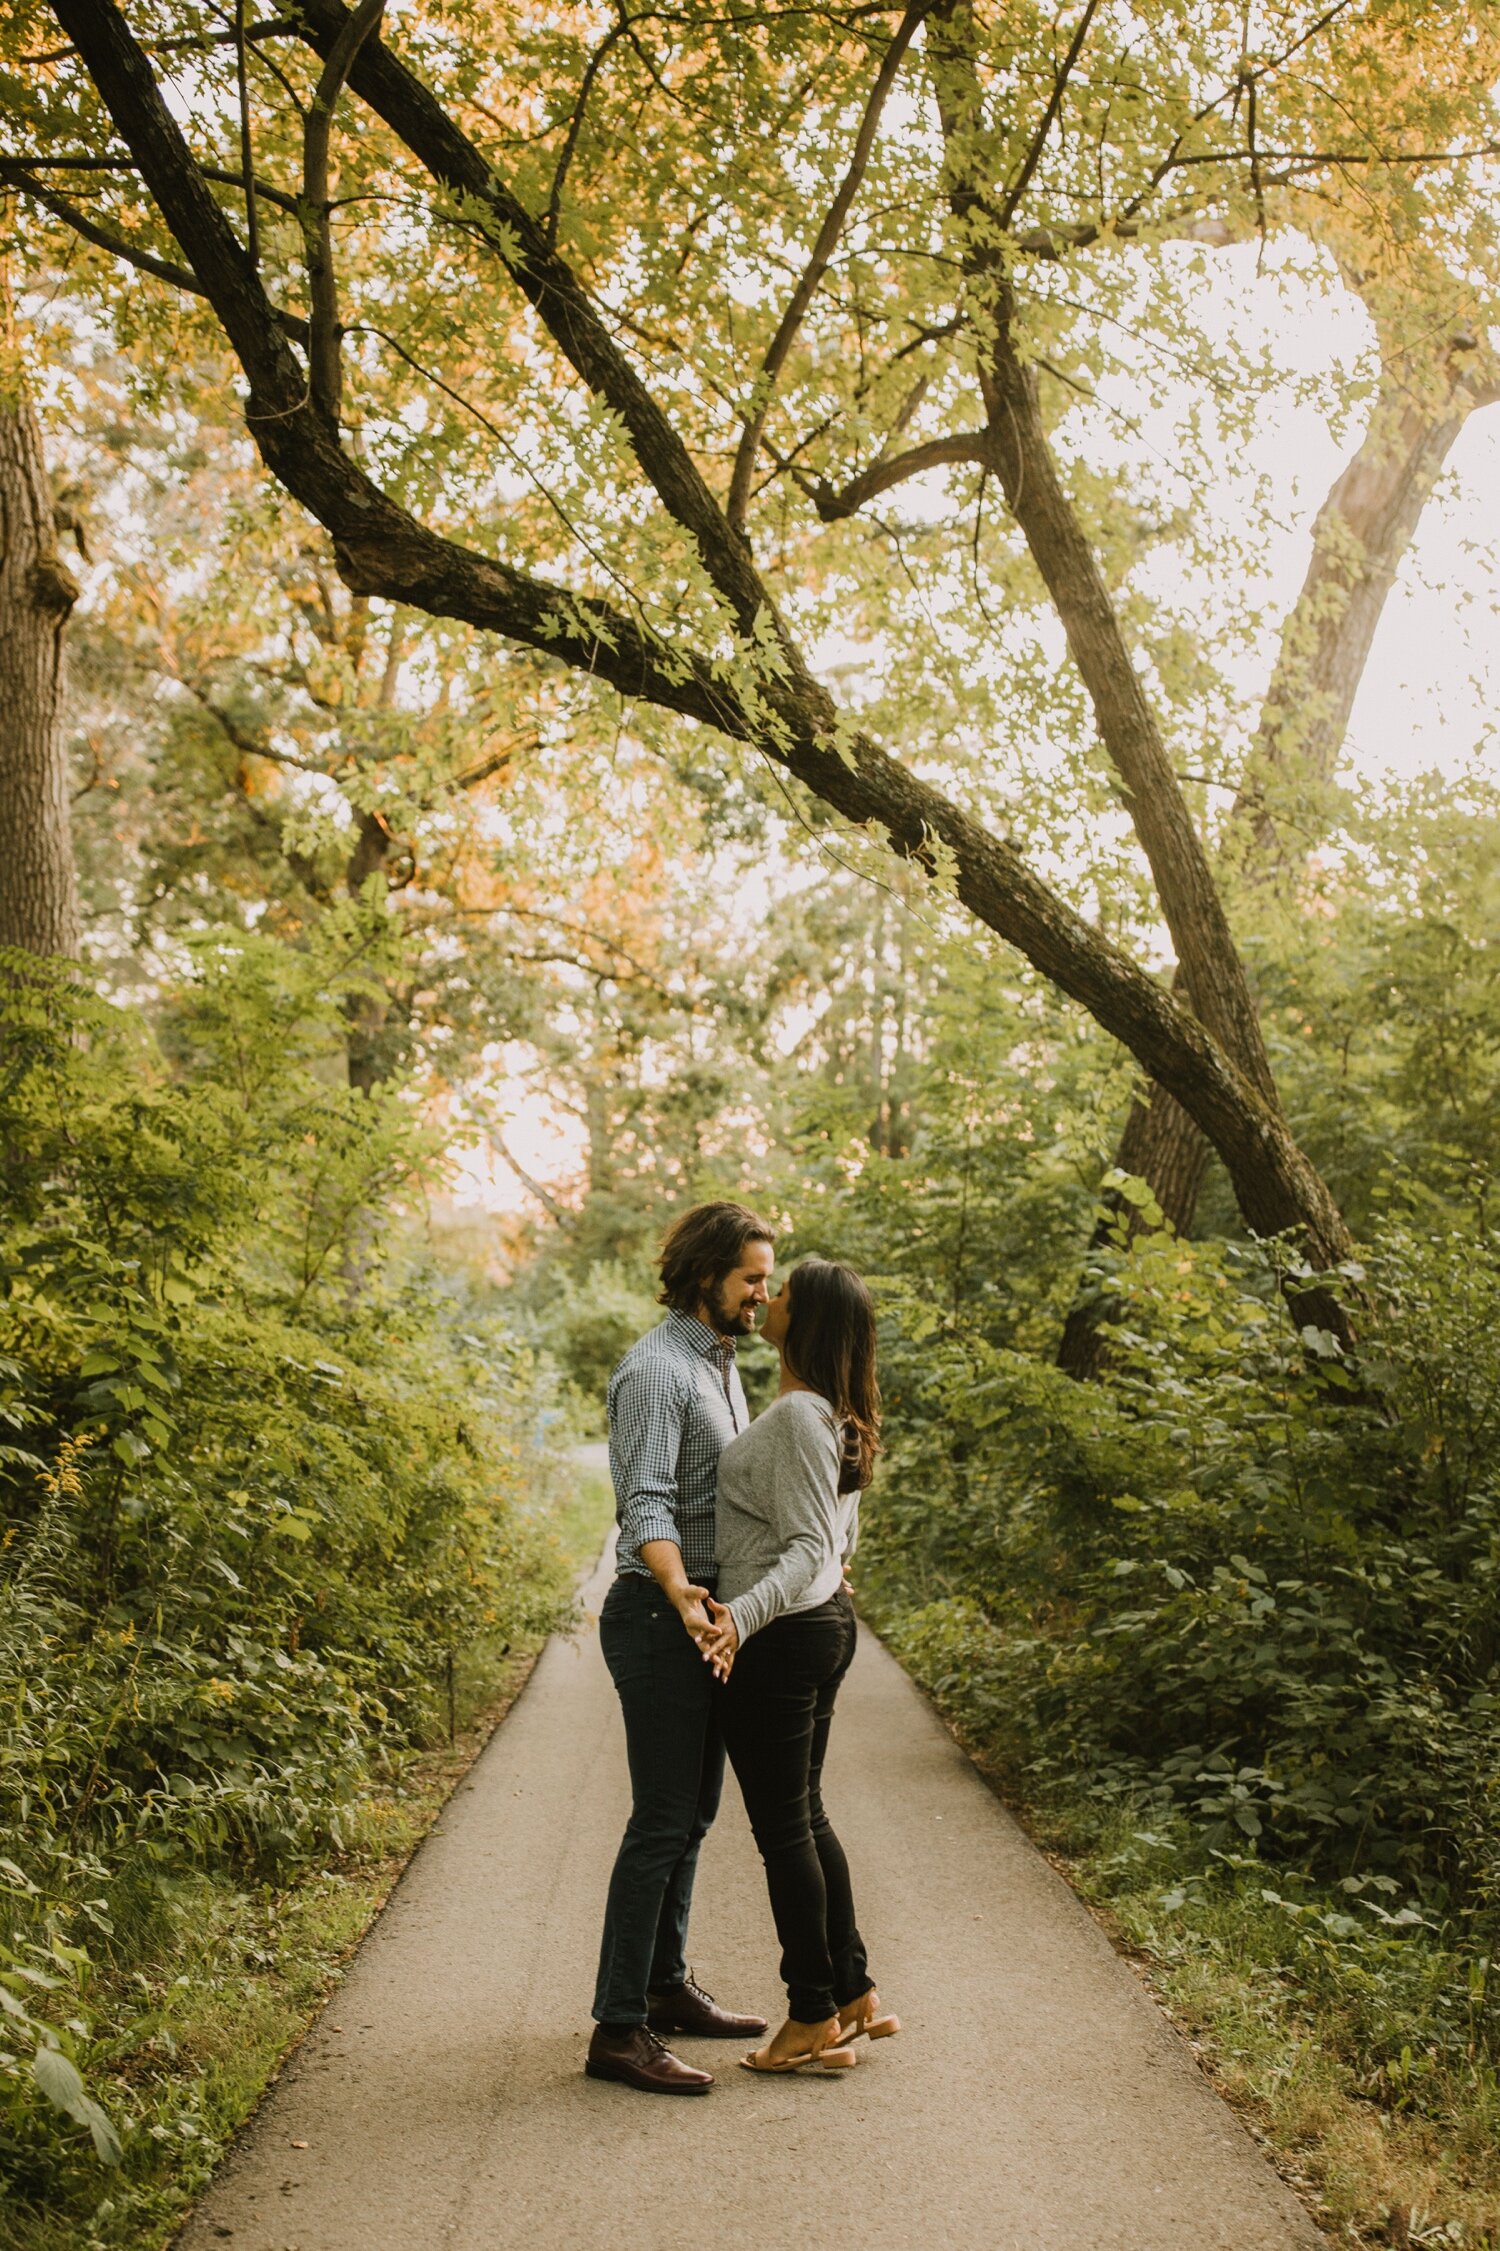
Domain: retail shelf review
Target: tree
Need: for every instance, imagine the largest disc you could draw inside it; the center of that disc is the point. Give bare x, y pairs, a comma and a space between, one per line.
38, 889
673, 607
1360, 535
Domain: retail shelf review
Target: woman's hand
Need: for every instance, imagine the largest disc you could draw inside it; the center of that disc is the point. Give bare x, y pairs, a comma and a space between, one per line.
722, 1640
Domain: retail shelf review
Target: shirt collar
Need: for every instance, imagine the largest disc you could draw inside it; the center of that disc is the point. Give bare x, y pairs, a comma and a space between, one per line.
699, 1337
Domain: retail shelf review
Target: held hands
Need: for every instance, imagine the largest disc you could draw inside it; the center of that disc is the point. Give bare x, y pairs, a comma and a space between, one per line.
688, 1602
711, 1625
722, 1640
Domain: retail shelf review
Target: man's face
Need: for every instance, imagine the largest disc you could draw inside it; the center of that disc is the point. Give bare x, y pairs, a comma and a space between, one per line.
733, 1307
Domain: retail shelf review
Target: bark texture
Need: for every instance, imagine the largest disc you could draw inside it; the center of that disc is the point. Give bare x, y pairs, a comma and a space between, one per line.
1213, 974
1360, 534
38, 883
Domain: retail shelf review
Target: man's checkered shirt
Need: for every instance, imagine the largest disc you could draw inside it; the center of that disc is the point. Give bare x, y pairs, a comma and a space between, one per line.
675, 1401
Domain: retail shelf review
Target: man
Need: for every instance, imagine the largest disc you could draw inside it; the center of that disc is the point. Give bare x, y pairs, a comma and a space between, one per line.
675, 1401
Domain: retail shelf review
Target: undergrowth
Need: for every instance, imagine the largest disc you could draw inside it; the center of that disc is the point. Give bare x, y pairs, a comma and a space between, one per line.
278, 1515
1225, 1628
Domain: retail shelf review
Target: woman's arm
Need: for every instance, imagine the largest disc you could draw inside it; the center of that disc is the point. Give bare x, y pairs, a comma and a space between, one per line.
802, 1477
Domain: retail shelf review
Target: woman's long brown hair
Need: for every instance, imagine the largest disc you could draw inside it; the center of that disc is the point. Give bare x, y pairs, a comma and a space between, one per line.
830, 1345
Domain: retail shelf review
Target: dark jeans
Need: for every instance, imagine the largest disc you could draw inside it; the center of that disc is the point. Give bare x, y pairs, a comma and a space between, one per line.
778, 1708
676, 1752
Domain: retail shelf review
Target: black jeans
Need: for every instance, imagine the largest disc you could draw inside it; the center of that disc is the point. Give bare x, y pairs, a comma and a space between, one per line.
778, 1708
676, 1750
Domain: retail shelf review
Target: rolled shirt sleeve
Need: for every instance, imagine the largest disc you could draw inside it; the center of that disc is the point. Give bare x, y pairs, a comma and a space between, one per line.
645, 1432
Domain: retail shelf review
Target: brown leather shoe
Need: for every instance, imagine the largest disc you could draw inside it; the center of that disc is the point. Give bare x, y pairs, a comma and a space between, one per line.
687, 2008
641, 2060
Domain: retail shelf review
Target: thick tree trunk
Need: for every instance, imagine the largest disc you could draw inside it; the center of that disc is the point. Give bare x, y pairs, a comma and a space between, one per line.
38, 883
1362, 530
1190, 898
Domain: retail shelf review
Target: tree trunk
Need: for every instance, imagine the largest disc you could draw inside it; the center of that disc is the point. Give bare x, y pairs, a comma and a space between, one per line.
367, 1012
1362, 530
38, 883
1190, 898
1162, 1146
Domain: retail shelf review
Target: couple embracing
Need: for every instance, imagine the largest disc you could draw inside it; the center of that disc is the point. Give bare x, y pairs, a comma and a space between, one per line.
729, 1628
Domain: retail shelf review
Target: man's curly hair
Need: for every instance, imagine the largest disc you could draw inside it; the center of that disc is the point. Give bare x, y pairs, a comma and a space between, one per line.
701, 1248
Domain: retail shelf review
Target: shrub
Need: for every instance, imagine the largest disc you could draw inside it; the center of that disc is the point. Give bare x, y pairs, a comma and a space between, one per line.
1217, 1576
256, 1489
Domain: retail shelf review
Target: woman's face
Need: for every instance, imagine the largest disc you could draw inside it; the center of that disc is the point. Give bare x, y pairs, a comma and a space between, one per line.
778, 1313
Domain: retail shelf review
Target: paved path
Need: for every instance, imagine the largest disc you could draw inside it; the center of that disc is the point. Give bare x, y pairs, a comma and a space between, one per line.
1038, 2101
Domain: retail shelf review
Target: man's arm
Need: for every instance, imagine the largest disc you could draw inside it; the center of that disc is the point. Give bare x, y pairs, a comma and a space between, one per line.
645, 1415
663, 1559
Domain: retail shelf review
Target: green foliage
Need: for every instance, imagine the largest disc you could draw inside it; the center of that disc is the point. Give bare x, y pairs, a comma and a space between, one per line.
586, 1322
1219, 1578
1357, 2034
259, 1487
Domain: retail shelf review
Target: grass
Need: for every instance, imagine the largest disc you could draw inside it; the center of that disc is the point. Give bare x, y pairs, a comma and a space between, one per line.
212, 1989
1356, 2052
582, 1517
1345, 2053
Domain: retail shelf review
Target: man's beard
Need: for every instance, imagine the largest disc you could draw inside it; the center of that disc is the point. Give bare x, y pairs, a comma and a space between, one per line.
737, 1323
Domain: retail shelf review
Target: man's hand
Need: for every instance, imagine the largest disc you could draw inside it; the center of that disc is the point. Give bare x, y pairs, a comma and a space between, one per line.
663, 1559
688, 1602
722, 1640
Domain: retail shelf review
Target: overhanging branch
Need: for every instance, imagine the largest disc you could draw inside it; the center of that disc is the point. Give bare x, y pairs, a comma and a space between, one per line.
817, 265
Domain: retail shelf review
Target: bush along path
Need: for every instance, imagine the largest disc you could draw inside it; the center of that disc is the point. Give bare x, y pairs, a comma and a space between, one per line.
1037, 2098
1229, 1637
275, 1533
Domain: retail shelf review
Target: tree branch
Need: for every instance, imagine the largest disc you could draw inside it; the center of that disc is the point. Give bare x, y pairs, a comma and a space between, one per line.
493, 761
543, 1195
160, 269
247, 163
1049, 117
934, 453
575, 127
549, 284
31, 162
817, 264
272, 28
323, 358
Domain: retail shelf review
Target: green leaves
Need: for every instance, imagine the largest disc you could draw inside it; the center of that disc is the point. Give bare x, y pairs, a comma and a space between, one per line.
59, 2081
247, 1513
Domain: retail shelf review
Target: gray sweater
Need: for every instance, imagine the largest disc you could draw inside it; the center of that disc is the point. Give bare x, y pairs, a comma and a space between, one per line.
784, 1528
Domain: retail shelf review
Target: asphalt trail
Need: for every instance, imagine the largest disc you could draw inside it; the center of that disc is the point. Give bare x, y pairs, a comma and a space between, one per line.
1037, 2101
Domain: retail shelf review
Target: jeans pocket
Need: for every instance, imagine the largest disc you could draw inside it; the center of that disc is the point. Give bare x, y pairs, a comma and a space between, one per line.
632, 1634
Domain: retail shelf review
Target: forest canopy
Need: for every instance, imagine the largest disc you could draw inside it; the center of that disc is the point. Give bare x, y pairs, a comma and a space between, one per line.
574, 314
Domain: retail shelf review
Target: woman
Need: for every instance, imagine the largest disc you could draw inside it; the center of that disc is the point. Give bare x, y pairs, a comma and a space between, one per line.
788, 1509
